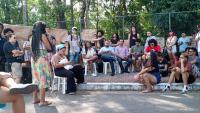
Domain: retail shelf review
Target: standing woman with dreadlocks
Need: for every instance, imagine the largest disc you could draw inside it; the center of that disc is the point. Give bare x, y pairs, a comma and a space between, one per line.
41, 70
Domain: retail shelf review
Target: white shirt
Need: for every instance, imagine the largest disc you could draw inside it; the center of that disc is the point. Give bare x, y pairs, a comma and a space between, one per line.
198, 38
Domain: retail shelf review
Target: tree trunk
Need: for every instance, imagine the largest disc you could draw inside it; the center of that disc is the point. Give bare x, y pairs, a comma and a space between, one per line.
82, 15
61, 23
25, 13
72, 12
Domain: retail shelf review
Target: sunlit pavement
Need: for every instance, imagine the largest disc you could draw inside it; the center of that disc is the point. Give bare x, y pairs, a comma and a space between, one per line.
117, 102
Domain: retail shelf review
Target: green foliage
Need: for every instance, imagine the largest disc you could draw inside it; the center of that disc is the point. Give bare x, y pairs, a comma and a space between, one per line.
113, 15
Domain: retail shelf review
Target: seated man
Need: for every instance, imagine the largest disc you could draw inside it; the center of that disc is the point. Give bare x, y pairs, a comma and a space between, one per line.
122, 54
63, 68
182, 73
10, 91
137, 51
108, 55
153, 46
162, 65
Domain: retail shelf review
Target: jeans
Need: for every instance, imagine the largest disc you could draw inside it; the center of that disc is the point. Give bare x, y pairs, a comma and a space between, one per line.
74, 57
110, 59
129, 60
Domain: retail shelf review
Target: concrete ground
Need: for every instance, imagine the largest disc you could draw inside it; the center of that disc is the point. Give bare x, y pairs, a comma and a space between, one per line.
117, 102
118, 78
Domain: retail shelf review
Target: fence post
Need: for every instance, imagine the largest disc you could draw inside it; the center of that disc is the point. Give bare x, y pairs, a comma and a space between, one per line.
170, 22
123, 27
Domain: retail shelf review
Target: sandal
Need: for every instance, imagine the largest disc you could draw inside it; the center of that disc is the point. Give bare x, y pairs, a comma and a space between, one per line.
45, 103
36, 102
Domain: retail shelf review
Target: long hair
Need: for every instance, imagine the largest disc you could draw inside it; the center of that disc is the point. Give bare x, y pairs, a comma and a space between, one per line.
154, 61
173, 34
117, 37
38, 30
131, 32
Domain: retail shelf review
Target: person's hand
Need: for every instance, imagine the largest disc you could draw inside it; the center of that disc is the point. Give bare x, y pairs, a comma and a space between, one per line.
182, 60
173, 69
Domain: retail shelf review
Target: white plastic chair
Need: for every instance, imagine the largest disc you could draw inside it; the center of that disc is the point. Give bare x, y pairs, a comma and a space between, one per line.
86, 68
61, 81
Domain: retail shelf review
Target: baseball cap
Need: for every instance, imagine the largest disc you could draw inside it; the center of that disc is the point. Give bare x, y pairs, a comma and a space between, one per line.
60, 46
74, 28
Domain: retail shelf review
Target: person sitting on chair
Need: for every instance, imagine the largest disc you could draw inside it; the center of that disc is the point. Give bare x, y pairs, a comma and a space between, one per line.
122, 54
63, 68
108, 55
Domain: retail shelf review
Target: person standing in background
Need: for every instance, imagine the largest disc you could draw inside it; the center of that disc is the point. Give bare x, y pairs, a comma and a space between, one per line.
197, 38
132, 36
2, 55
74, 42
183, 42
171, 47
149, 37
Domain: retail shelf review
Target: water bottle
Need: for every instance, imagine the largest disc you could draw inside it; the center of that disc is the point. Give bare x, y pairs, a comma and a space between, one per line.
2, 105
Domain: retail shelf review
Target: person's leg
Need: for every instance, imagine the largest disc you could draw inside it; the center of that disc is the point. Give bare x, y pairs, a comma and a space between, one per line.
175, 75
120, 64
149, 80
138, 79
78, 73
71, 57
18, 105
76, 58
71, 86
171, 58
112, 66
185, 76
128, 64
111, 60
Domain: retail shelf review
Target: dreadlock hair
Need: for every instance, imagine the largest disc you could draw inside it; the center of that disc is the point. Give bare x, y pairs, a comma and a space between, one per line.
38, 30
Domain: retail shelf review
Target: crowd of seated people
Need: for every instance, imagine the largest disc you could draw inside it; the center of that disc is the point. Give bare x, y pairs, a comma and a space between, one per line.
148, 59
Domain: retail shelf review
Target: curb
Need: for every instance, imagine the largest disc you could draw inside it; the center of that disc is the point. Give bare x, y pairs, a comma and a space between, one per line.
131, 86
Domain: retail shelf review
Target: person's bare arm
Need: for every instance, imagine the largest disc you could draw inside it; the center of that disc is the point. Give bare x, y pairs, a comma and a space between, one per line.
46, 42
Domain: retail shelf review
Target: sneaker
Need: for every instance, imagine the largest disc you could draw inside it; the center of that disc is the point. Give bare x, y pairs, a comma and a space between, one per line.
112, 74
71, 93
166, 88
184, 91
94, 75
127, 72
23, 89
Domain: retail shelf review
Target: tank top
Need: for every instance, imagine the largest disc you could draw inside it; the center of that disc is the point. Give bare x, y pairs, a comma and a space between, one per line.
132, 40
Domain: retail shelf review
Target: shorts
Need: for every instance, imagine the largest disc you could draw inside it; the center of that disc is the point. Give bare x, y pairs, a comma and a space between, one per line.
191, 79
173, 50
157, 75
16, 69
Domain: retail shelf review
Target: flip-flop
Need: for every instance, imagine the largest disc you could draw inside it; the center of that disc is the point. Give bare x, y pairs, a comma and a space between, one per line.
46, 103
36, 102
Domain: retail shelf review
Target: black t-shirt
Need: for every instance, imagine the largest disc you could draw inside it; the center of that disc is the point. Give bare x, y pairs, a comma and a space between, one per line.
162, 64
2, 42
8, 48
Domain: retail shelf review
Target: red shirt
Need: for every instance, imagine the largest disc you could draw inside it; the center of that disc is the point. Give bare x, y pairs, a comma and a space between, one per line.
155, 48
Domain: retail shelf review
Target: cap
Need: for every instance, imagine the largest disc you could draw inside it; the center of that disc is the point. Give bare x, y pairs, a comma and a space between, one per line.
74, 28
60, 46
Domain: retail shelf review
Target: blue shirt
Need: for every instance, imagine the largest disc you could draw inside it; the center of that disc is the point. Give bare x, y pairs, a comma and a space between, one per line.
184, 43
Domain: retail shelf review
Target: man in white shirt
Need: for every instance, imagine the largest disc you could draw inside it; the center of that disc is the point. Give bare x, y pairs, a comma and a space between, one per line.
197, 38
108, 55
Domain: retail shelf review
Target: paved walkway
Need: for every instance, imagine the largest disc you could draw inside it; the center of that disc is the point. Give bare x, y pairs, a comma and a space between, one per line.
118, 78
117, 102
